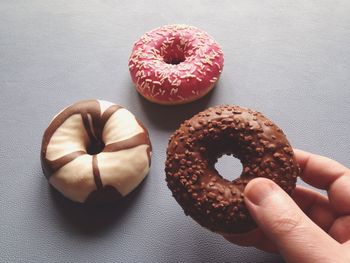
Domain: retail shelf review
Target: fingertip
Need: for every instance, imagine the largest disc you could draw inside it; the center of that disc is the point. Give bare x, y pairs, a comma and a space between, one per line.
256, 182
258, 189
318, 171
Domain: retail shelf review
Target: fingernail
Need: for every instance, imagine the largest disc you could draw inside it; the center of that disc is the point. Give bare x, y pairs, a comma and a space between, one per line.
259, 189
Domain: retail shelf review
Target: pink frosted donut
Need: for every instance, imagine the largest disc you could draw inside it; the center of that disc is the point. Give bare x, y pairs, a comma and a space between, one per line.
175, 64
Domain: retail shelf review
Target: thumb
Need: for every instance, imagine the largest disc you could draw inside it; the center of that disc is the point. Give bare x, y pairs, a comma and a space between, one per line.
297, 237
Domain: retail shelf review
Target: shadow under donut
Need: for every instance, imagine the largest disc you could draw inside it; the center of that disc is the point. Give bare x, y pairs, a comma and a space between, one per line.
169, 117
92, 219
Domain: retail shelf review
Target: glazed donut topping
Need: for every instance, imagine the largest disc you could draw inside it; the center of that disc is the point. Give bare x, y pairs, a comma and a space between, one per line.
95, 152
175, 64
213, 201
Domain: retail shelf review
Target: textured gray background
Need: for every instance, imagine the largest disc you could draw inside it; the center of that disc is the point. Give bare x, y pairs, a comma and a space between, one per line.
287, 59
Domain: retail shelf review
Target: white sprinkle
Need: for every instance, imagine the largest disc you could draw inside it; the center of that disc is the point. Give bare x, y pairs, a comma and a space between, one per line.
214, 53
173, 91
147, 86
176, 82
214, 79
188, 75
143, 85
207, 60
179, 47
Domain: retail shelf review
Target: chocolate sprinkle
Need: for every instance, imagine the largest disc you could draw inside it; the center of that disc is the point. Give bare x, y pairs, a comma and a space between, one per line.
213, 201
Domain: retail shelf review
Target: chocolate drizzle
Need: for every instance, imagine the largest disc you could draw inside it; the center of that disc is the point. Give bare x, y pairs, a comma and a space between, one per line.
96, 144
87, 126
136, 140
106, 115
106, 195
94, 124
96, 172
149, 149
52, 166
213, 201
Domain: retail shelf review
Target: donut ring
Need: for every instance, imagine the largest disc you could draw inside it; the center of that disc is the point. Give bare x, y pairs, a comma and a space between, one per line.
193, 150
95, 152
175, 64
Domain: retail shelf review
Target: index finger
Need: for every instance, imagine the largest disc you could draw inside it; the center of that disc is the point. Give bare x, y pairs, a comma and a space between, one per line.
317, 170
327, 174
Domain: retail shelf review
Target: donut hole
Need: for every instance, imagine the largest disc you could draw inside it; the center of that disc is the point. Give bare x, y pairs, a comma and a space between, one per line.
174, 58
174, 52
95, 147
229, 167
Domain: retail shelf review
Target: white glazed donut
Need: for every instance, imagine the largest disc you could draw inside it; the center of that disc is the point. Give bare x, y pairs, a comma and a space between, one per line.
95, 152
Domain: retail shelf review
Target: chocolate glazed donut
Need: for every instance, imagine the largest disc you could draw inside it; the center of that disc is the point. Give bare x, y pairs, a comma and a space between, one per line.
213, 201
95, 152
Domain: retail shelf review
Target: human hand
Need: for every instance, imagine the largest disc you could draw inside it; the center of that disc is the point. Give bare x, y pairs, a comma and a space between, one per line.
309, 227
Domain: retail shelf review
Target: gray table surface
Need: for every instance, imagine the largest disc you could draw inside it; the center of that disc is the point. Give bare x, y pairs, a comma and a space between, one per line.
288, 59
